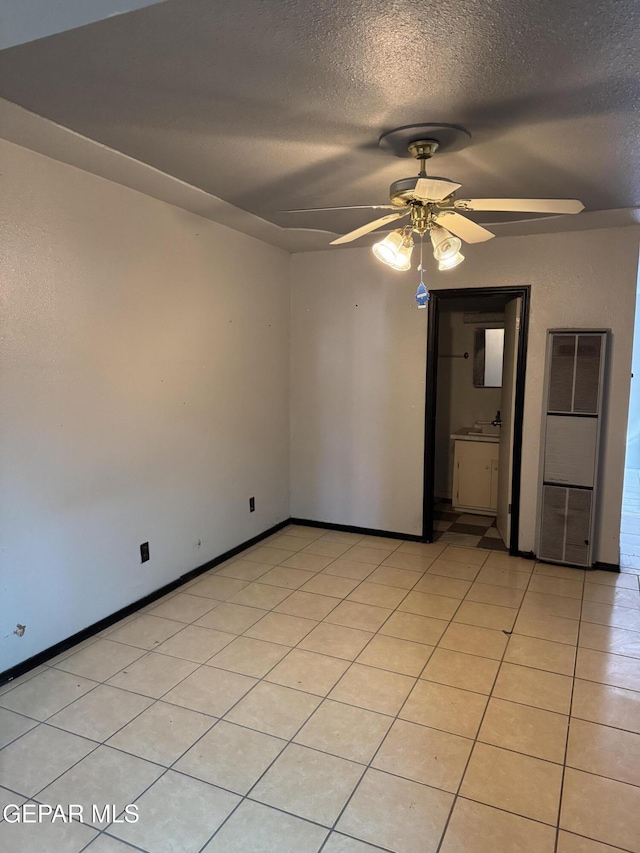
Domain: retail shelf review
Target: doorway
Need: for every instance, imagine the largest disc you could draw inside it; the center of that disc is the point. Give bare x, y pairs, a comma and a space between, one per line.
476, 358
630, 521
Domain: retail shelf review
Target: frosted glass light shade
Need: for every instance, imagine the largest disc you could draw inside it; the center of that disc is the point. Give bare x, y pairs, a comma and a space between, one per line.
445, 245
452, 262
387, 249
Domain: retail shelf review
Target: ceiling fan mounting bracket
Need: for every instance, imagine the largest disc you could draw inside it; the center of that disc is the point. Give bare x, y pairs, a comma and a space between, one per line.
401, 140
423, 149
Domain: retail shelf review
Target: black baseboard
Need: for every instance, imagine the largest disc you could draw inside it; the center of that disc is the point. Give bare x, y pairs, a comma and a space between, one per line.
526, 555
606, 567
603, 567
364, 531
63, 645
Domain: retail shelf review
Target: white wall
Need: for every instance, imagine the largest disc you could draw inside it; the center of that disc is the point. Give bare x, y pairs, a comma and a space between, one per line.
459, 403
357, 392
143, 396
633, 428
358, 373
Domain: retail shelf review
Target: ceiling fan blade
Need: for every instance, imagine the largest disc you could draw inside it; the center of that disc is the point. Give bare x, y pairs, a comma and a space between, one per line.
348, 207
462, 227
370, 226
434, 189
521, 205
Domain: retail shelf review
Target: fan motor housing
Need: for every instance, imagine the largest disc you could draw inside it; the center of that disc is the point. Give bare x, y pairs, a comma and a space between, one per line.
401, 192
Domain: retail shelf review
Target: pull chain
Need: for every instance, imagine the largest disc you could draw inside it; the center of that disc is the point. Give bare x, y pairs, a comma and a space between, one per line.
422, 294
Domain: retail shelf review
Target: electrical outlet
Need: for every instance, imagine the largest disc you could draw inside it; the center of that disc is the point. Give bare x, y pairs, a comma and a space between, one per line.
252, 504
144, 552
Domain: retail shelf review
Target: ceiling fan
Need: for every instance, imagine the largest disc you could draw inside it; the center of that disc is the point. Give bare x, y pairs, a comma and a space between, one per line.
432, 208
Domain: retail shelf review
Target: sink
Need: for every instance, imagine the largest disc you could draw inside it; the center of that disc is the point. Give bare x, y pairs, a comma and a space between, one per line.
490, 429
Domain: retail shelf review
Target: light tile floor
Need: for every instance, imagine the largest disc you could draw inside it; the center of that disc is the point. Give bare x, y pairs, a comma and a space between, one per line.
343, 693
630, 526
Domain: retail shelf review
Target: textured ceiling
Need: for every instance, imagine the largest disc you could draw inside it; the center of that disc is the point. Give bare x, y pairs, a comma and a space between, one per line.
279, 104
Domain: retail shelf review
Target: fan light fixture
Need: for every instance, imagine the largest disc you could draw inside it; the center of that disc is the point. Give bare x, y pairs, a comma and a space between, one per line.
450, 263
395, 250
431, 203
445, 245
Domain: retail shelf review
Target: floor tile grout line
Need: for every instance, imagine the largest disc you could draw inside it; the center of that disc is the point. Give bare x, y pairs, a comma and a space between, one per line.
566, 745
291, 740
149, 651
475, 739
396, 717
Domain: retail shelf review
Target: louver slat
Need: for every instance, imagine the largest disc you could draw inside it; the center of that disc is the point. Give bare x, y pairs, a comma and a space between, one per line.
585, 396
561, 373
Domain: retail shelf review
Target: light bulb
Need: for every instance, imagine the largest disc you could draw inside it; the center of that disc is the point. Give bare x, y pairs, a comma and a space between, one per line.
403, 256
450, 263
387, 249
445, 245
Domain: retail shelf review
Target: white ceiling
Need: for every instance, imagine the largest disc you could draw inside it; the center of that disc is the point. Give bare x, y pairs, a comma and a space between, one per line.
271, 105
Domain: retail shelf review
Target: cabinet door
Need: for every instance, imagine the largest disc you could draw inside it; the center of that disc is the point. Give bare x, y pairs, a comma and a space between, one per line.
494, 484
474, 474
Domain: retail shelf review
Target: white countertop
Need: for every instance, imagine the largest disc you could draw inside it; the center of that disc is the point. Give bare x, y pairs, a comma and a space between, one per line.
465, 435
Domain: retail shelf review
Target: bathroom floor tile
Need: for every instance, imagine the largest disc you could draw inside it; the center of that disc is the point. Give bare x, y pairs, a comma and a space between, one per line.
611, 706
424, 755
336, 640
46, 693
513, 782
457, 669
280, 628
231, 618
307, 605
177, 807
101, 712
210, 691
274, 710
161, 733
410, 626
364, 617
395, 655
547, 690
446, 708
249, 657
397, 813
195, 644
153, 675
335, 691
604, 751
37, 758
230, 756
308, 671
485, 642
308, 784
540, 654
100, 660
425, 604
146, 631
13, 725
521, 728
277, 832
105, 776
345, 731
483, 829
373, 689
184, 607
602, 809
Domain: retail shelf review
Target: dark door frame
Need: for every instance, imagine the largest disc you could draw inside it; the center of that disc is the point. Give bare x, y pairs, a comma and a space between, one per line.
431, 397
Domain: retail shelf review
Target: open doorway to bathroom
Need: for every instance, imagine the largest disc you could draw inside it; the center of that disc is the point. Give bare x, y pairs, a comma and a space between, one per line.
476, 356
630, 524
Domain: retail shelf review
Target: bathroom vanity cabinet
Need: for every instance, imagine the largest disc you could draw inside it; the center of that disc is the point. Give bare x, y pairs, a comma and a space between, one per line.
475, 473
